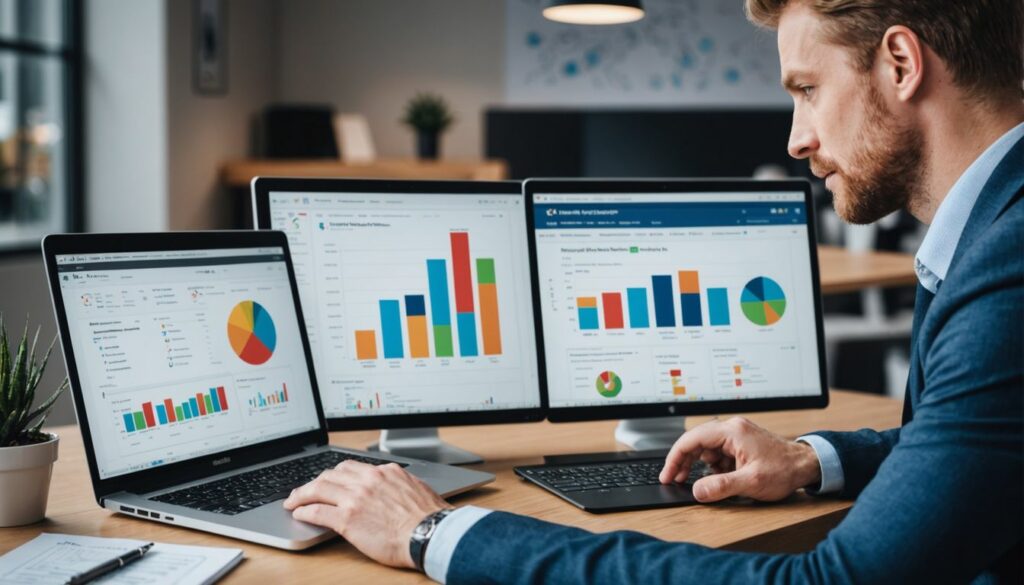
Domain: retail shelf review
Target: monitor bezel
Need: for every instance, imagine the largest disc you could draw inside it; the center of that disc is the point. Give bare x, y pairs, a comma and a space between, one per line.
532, 187
197, 467
261, 189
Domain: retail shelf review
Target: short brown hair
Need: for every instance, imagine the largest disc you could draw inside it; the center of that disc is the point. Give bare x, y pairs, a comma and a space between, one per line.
981, 41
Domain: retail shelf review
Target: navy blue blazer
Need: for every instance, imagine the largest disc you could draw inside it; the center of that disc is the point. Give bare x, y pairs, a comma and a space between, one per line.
937, 500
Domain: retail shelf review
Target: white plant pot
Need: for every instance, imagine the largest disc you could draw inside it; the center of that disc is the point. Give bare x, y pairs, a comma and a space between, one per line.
25, 481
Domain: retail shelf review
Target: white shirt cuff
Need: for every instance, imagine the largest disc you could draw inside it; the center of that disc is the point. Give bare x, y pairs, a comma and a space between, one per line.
832, 479
449, 532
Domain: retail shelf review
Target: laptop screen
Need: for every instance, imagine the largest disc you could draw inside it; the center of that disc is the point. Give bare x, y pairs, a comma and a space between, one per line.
676, 297
182, 354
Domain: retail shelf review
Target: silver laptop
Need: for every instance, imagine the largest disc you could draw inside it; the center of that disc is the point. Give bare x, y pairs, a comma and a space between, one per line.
194, 384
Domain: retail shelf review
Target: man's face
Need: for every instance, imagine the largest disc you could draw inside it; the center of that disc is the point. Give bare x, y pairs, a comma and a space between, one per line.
871, 160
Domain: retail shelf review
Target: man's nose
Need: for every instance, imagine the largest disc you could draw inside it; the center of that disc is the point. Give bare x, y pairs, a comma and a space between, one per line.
803, 141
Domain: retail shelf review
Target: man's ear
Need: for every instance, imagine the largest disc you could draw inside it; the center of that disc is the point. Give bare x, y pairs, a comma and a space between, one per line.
901, 58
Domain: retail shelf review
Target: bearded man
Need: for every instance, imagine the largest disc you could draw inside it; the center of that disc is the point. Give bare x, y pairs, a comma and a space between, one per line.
899, 104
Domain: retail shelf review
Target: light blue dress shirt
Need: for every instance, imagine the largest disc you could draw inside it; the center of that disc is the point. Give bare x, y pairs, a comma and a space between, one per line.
931, 264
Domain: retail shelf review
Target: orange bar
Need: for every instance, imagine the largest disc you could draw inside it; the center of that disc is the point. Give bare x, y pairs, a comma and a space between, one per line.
688, 282
489, 321
586, 302
416, 325
366, 344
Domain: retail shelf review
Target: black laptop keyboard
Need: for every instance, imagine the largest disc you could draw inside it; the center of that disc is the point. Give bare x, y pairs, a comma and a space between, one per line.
252, 489
607, 475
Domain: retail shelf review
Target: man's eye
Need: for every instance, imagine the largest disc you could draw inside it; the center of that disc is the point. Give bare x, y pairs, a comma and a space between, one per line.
807, 90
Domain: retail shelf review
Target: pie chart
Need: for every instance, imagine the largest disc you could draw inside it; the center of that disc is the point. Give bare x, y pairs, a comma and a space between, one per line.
251, 332
763, 301
608, 384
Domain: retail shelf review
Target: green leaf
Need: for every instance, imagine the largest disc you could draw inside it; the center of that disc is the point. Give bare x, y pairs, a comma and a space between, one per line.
45, 407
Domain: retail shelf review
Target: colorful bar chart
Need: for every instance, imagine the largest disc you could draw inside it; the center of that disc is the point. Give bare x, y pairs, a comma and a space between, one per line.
586, 308
689, 298
165, 412
718, 306
678, 388
371, 404
418, 326
272, 399
636, 299
612, 303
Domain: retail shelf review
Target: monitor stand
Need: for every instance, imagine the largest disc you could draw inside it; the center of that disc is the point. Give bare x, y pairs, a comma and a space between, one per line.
650, 433
423, 443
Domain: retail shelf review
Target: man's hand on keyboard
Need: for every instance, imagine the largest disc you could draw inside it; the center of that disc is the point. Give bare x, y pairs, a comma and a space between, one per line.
747, 461
375, 508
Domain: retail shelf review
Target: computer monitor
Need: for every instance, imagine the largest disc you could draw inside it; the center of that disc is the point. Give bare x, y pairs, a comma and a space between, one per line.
675, 297
416, 296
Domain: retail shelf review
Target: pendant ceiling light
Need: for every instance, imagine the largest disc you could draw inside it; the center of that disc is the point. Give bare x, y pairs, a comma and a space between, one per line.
594, 11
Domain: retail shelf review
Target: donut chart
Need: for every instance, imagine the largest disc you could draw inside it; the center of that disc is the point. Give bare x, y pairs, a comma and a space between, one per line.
251, 333
608, 384
763, 301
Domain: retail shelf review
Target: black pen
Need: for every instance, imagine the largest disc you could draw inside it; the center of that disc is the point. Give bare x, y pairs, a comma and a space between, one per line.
110, 566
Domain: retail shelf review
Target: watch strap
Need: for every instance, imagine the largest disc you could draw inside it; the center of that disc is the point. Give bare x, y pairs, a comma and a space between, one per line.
422, 534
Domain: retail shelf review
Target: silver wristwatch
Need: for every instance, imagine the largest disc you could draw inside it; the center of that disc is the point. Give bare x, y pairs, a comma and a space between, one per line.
421, 536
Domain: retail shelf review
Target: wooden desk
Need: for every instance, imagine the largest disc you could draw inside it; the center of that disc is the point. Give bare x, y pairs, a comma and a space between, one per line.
240, 173
844, 271
795, 524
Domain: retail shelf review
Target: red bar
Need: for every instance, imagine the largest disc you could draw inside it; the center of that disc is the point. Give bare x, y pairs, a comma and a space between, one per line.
461, 274
202, 404
223, 398
612, 303
169, 406
285, 386
147, 411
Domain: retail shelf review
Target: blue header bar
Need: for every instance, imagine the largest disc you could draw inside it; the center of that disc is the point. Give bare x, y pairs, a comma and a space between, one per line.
667, 215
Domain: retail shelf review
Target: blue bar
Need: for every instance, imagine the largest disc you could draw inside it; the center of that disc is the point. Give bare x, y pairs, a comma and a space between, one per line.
195, 407
636, 298
690, 303
467, 334
391, 329
186, 410
129, 423
664, 313
718, 306
588, 318
215, 400
415, 306
161, 414
260, 396
440, 307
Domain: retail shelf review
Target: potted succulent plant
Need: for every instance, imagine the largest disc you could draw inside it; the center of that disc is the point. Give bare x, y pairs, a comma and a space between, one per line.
26, 453
429, 115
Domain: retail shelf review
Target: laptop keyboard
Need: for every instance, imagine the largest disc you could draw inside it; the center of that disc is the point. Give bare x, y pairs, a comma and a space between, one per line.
610, 475
252, 489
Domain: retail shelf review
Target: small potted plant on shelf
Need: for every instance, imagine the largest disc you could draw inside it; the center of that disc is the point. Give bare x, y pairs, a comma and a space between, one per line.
26, 453
429, 115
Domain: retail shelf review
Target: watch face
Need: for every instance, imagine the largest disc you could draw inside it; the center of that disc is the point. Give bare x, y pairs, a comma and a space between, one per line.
423, 528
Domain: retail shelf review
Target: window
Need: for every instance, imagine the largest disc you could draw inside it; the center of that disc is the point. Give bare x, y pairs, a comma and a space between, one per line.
40, 113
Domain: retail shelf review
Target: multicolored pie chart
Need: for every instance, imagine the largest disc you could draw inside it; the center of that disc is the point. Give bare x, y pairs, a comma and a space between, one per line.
609, 384
251, 332
763, 301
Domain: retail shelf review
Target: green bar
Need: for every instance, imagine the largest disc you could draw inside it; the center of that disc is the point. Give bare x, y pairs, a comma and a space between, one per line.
485, 271
179, 415
443, 341
140, 420
209, 404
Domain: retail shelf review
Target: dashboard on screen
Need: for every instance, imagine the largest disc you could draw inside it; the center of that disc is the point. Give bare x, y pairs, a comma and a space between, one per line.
414, 303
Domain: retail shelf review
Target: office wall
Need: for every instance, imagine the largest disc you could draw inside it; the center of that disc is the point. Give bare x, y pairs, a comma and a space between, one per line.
371, 56
206, 130
126, 115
